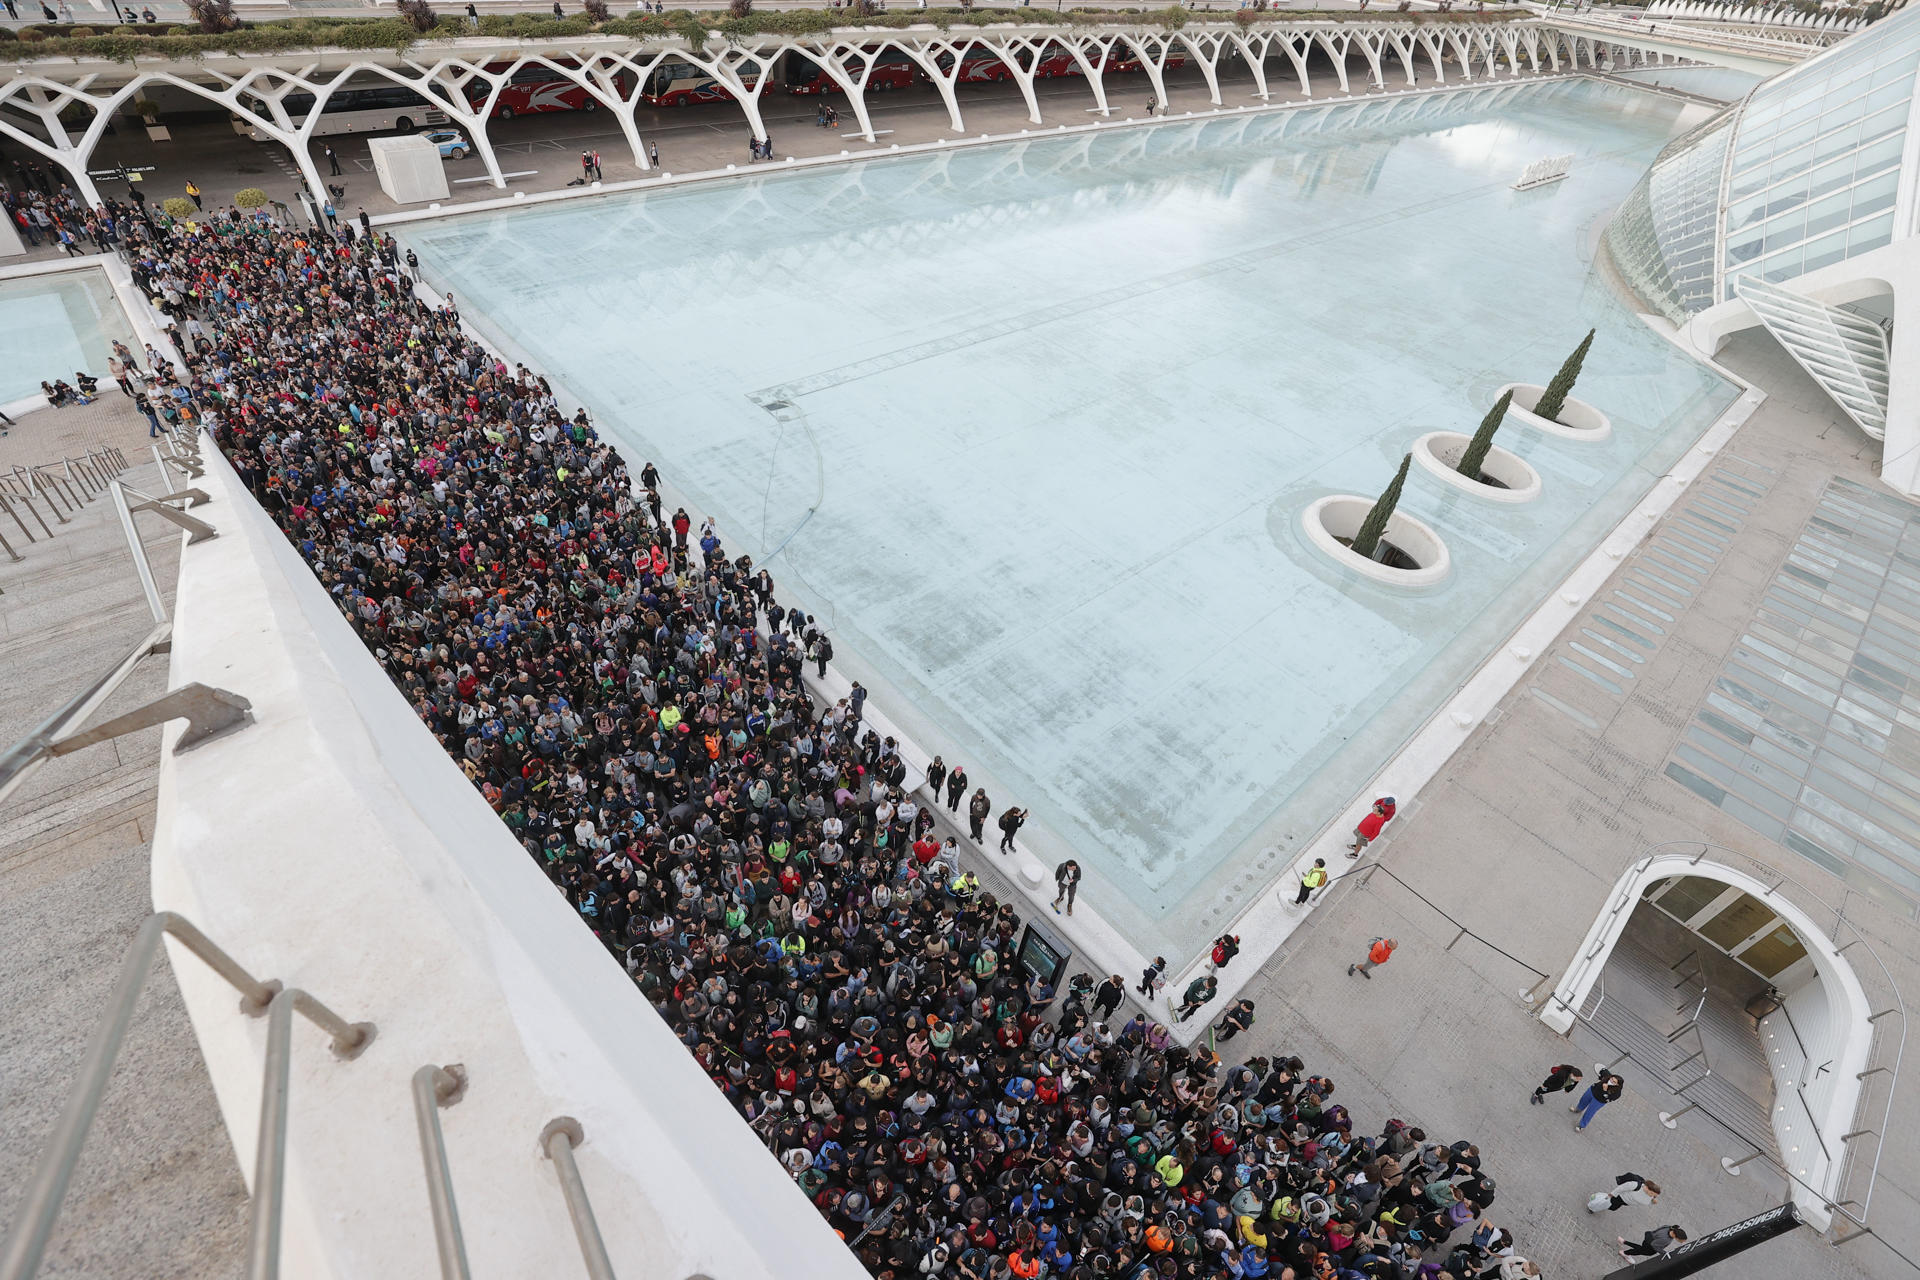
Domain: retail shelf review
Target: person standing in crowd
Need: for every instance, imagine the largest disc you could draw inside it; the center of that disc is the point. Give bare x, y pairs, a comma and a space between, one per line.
822, 654
145, 406
1379, 951
1225, 948
1656, 1242
1370, 826
1010, 827
1107, 997
1066, 881
1153, 977
1564, 1078
1311, 879
1237, 1018
1607, 1087
936, 777
1199, 991
1628, 1189
977, 810
956, 787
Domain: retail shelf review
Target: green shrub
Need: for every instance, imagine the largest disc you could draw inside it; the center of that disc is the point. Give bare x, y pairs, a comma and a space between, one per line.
249, 198
178, 206
1554, 398
1374, 527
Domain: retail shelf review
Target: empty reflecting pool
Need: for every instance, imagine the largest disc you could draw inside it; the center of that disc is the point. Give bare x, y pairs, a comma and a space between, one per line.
1031, 426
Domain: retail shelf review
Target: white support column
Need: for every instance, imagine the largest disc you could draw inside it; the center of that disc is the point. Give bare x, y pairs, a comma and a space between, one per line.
1401, 42
1338, 53
1253, 52
1900, 451
1298, 46
1155, 66
44, 100
446, 84
1206, 51
1462, 50
1370, 44
1021, 57
927, 56
1436, 54
598, 72
727, 67
1094, 70
835, 60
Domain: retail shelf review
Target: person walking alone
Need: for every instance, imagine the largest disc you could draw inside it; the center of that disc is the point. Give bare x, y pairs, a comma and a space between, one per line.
1606, 1088
1225, 948
936, 777
956, 787
333, 160
1628, 1189
977, 810
1379, 951
1656, 1242
1010, 826
193, 194
1153, 977
1234, 1021
1564, 1078
1199, 991
1066, 880
1316, 875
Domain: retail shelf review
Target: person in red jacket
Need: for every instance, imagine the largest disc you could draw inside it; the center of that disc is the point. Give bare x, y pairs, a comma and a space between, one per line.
1379, 951
1370, 826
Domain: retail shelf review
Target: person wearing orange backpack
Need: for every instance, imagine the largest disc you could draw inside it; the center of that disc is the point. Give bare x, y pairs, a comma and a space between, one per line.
1379, 951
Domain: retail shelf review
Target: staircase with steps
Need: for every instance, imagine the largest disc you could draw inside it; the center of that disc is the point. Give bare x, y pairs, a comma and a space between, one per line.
1639, 1005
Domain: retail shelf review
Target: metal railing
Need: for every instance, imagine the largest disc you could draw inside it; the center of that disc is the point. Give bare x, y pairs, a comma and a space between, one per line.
207, 710
40, 1207
61, 487
436, 1088
1884, 1056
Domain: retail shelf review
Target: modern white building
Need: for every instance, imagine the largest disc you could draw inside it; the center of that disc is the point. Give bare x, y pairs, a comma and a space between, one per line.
1797, 209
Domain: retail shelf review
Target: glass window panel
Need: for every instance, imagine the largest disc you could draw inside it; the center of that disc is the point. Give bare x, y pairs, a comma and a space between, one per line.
1686, 896
1734, 923
1825, 251
1870, 234
1784, 267
1772, 954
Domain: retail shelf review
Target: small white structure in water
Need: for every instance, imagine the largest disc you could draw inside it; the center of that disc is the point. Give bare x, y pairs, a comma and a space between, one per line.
1541, 172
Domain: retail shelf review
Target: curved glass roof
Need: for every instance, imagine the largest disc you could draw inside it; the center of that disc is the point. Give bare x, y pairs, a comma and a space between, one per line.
1803, 173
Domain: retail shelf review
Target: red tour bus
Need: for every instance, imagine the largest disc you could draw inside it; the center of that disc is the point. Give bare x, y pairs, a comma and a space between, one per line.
537, 88
892, 69
679, 84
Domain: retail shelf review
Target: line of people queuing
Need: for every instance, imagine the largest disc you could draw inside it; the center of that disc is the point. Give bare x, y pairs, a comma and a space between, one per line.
629, 698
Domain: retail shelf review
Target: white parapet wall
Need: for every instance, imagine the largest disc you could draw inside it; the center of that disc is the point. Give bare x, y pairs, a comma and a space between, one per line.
333, 845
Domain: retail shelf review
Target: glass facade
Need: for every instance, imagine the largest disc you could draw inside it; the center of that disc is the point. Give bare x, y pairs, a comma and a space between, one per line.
1804, 173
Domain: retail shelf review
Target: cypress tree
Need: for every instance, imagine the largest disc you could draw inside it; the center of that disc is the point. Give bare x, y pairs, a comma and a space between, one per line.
1483, 439
1555, 396
1367, 541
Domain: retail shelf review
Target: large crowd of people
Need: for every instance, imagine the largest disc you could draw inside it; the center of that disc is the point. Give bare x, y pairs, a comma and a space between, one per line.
629, 699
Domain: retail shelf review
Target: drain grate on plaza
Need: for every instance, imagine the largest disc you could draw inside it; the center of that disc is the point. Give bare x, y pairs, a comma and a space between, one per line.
1810, 734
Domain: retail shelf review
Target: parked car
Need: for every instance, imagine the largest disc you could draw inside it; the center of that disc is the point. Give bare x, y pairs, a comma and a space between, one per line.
452, 143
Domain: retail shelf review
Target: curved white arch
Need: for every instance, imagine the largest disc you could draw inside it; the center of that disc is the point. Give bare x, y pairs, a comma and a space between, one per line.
1833, 1099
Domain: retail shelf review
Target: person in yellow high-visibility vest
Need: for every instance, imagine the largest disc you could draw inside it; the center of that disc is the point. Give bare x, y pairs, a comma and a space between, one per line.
1316, 875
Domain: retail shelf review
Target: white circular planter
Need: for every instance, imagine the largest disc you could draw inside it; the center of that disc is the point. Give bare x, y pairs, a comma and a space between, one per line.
1340, 515
1439, 453
1579, 420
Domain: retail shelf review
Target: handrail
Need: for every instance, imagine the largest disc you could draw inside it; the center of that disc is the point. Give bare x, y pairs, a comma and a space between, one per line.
561, 1135
208, 711
434, 1088
40, 1206
350, 1040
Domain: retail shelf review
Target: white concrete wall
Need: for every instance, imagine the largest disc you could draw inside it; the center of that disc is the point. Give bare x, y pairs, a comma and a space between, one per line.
335, 846
1805, 1061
